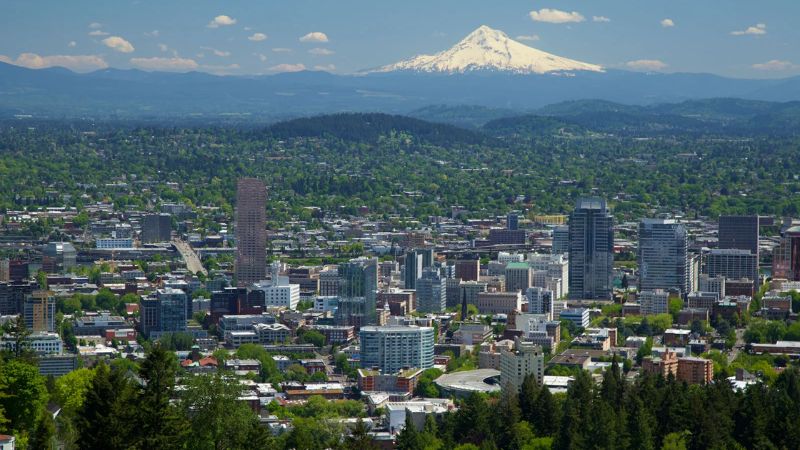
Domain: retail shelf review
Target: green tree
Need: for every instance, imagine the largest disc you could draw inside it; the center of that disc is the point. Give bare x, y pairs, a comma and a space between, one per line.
409, 437
269, 368
20, 335
106, 419
43, 437
70, 390
675, 441
159, 424
306, 336
359, 438
645, 350
425, 384
218, 420
24, 394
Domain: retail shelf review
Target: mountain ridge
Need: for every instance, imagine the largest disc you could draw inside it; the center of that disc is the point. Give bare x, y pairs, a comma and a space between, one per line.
488, 49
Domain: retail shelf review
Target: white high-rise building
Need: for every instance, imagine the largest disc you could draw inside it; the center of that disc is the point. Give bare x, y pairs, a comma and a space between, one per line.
516, 364
506, 257
552, 267
391, 348
540, 301
279, 293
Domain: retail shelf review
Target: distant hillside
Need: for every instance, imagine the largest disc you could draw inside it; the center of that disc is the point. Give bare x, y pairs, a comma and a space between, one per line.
707, 116
369, 127
135, 94
466, 116
531, 125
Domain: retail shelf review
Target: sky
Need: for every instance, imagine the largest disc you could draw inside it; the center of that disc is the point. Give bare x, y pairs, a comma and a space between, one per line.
736, 38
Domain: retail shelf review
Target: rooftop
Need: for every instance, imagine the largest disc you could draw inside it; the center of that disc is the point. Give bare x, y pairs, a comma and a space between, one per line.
469, 380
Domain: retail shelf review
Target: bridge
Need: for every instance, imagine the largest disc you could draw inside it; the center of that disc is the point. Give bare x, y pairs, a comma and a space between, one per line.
193, 263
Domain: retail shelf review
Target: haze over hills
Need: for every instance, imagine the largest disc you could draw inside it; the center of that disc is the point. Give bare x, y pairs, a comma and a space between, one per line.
490, 49
485, 69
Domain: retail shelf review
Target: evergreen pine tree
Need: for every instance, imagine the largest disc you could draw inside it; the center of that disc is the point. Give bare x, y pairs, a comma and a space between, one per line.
408, 438
160, 424
43, 436
104, 421
528, 393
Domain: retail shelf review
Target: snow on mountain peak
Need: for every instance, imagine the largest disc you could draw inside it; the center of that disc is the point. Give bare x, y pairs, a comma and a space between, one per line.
490, 49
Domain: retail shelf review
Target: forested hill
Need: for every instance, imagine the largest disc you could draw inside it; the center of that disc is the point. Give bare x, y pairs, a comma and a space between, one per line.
719, 116
531, 125
369, 127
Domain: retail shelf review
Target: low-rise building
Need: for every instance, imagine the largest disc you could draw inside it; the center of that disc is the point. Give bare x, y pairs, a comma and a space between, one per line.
516, 364
471, 333
404, 381
499, 302
664, 365
695, 370
676, 338
578, 316
336, 334
417, 410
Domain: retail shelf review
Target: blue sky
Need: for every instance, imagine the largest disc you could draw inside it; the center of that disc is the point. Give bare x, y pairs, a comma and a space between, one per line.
739, 38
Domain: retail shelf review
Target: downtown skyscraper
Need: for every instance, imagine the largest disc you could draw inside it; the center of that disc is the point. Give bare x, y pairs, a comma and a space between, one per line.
663, 256
591, 250
251, 232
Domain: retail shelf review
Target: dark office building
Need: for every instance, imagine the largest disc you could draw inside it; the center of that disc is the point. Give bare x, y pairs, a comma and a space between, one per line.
235, 300
18, 270
412, 269
156, 228
739, 232
591, 250
12, 296
512, 221
468, 269
503, 236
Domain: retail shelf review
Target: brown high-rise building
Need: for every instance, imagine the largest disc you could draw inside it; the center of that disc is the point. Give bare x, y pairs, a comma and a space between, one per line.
739, 232
251, 232
468, 269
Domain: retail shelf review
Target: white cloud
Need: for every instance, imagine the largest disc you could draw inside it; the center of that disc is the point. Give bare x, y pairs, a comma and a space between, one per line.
667, 23
78, 63
119, 44
72, 44
163, 47
775, 65
221, 21
556, 16
167, 64
220, 53
98, 33
258, 37
153, 33
756, 30
95, 25
532, 37
326, 68
314, 36
321, 51
600, 19
282, 50
650, 65
288, 68
261, 56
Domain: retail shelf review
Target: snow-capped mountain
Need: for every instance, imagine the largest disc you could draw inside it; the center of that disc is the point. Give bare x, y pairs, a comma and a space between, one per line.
490, 49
